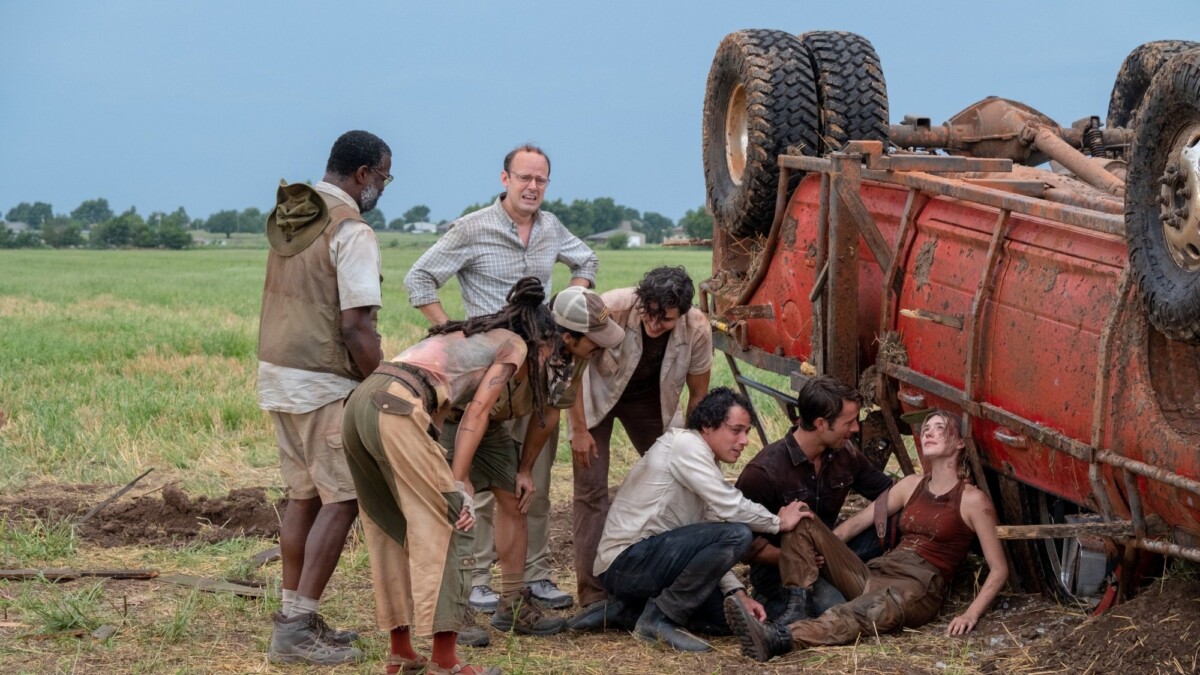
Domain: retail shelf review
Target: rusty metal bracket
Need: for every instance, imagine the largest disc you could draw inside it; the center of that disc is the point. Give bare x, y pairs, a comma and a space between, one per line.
841, 312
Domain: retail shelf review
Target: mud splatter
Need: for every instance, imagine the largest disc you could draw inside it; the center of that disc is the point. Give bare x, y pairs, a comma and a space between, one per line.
924, 262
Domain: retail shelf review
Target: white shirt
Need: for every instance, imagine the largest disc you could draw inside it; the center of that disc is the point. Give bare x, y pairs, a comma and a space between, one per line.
354, 252
676, 483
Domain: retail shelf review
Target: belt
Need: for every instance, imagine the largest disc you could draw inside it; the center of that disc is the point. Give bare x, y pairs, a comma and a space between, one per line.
413, 379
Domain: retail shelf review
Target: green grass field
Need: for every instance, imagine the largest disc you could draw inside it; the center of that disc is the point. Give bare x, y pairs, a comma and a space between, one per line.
115, 361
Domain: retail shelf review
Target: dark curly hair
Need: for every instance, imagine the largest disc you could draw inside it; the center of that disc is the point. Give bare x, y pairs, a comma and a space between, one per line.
664, 288
822, 398
527, 315
712, 410
354, 149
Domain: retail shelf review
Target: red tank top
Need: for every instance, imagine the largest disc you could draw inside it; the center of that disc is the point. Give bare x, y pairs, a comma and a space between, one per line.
934, 529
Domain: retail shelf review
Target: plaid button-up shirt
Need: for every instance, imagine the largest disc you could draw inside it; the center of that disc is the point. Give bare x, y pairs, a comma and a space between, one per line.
483, 250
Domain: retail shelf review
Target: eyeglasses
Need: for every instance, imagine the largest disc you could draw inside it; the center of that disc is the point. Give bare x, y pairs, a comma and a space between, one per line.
526, 178
387, 177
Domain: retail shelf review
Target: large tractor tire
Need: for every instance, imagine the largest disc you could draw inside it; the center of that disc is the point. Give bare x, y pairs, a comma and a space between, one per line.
761, 102
1133, 79
1162, 199
851, 91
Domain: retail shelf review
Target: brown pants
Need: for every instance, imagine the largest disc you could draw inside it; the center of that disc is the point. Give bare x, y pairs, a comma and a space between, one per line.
898, 589
642, 420
419, 561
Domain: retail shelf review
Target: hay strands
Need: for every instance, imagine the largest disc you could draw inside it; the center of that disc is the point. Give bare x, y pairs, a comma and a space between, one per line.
115, 496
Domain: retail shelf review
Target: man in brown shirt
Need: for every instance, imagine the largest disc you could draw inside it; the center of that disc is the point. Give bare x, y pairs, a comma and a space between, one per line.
816, 463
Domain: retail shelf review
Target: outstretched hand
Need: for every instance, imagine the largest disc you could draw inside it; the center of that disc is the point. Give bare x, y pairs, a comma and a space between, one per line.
961, 624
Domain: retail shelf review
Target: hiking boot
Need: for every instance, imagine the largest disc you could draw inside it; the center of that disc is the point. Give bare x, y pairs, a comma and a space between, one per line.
483, 598
471, 635
654, 626
518, 613
602, 615
297, 639
799, 606
330, 634
547, 594
759, 641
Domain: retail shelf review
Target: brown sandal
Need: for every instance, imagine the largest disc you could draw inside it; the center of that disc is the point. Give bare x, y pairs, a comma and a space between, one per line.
461, 669
407, 666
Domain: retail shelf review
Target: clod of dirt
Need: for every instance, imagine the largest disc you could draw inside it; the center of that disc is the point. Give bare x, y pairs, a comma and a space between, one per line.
172, 517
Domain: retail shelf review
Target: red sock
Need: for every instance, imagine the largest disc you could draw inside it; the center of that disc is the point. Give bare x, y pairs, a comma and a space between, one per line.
402, 643
445, 652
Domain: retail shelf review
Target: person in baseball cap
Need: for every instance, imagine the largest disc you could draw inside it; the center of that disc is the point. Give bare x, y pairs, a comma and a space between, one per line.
583, 313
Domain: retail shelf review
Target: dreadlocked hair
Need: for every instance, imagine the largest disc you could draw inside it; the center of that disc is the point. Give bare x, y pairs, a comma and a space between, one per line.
526, 315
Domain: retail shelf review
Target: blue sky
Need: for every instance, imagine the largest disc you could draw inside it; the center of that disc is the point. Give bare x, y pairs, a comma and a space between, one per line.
206, 105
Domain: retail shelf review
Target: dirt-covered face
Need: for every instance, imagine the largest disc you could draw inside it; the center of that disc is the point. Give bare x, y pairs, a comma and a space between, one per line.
525, 184
940, 437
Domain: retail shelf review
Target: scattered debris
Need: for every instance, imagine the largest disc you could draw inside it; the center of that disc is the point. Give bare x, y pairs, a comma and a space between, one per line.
115, 496
270, 555
104, 632
214, 585
63, 574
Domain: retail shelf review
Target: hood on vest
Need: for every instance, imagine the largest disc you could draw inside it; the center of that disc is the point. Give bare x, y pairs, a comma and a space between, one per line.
298, 219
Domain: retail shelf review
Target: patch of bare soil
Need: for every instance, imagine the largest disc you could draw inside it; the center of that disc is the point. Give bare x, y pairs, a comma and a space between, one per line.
1156, 632
164, 516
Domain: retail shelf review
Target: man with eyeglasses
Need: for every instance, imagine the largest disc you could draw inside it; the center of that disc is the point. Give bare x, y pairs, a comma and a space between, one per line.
667, 346
488, 251
817, 464
317, 340
676, 529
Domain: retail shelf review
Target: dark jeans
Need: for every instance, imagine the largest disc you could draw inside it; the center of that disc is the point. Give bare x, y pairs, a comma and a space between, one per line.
768, 586
681, 570
642, 419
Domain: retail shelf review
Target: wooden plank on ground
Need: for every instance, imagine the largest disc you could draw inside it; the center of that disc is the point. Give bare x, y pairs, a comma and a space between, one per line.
270, 555
63, 574
214, 585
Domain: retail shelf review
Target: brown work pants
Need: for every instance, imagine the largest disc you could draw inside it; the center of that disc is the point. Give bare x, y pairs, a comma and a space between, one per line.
419, 560
895, 590
642, 420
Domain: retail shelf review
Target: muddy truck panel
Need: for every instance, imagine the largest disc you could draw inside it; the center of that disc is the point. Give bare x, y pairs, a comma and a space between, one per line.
1057, 310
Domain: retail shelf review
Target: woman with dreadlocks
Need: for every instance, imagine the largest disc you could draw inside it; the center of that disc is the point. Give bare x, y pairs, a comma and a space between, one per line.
404, 482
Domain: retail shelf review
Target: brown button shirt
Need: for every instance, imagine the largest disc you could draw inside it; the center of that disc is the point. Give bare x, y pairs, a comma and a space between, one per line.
781, 474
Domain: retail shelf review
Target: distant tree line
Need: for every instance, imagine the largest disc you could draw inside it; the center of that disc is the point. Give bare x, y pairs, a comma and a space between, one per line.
94, 224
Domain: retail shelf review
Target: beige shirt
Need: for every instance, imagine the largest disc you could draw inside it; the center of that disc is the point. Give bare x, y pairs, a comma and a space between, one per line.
678, 482
689, 352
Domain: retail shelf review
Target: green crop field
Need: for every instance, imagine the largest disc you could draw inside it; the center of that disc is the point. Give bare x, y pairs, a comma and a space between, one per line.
114, 362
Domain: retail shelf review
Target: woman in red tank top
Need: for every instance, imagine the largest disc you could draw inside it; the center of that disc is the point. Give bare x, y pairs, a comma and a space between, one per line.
941, 514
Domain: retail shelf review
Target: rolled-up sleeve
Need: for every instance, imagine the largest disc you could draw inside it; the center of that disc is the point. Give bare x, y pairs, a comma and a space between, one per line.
576, 255
434, 268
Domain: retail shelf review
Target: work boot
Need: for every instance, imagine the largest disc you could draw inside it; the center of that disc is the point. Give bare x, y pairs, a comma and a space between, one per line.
799, 606
330, 634
654, 626
471, 635
297, 639
602, 615
759, 641
547, 594
518, 613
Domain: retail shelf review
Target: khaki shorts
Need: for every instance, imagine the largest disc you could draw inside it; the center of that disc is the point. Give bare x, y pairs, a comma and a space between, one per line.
496, 459
311, 458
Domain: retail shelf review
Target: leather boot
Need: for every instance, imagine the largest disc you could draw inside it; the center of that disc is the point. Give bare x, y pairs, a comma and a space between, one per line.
518, 613
654, 626
799, 606
601, 616
759, 641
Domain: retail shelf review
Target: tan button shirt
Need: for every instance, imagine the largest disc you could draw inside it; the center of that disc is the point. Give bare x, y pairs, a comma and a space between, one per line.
689, 352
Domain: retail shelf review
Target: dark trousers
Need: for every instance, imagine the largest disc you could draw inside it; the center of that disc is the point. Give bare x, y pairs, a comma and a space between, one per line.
642, 419
681, 570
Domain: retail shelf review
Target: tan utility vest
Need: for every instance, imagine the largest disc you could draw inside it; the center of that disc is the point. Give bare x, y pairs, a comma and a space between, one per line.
300, 325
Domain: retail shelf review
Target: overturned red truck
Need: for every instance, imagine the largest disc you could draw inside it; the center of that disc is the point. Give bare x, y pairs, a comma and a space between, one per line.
1056, 308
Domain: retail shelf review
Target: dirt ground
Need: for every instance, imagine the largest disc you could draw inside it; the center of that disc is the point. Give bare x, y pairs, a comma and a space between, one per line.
1157, 632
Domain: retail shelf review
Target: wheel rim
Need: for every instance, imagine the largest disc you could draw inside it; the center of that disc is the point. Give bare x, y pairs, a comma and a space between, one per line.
737, 136
1073, 567
1179, 200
